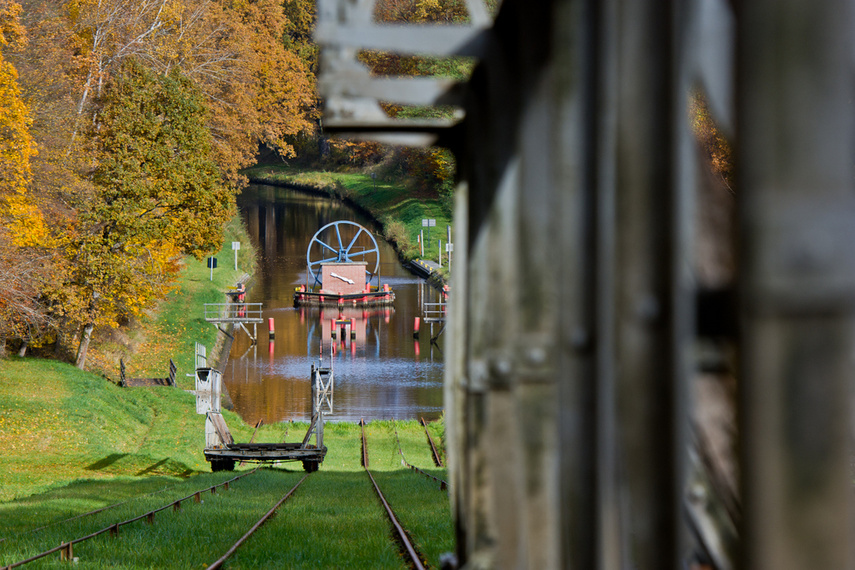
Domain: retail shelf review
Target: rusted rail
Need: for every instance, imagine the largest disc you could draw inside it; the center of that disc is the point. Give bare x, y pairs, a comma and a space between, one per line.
403, 540
258, 424
86, 514
436, 458
443, 485
67, 548
256, 526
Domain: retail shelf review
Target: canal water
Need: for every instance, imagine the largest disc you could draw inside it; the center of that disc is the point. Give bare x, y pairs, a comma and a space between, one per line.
383, 374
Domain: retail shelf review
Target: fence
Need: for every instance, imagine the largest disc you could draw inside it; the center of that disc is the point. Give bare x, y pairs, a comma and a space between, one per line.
233, 312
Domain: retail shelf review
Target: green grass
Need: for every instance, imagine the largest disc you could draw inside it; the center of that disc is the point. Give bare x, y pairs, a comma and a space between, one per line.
333, 521
180, 319
422, 508
197, 534
391, 201
172, 329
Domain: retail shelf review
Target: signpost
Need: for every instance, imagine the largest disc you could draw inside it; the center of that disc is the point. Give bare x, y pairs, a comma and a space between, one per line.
236, 247
212, 263
428, 223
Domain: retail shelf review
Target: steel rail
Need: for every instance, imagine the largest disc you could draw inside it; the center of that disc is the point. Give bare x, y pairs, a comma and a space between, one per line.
89, 513
436, 458
68, 547
403, 539
255, 527
443, 485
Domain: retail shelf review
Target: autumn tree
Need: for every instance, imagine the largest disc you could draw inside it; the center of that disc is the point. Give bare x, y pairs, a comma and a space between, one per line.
22, 266
714, 145
16, 146
157, 192
300, 19
263, 93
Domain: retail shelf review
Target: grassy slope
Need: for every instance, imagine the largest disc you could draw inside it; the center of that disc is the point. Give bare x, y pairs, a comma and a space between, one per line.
178, 323
398, 209
333, 521
58, 424
74, 442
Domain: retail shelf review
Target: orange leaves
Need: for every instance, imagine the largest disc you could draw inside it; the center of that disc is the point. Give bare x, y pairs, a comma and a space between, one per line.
12, 33
21, 216
714, 144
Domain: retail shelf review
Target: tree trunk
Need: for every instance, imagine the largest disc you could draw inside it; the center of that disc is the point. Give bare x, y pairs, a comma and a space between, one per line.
84, 346
60, 351
23, 350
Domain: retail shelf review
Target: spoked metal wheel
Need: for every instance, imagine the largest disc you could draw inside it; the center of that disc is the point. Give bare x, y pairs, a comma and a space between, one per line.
342, 242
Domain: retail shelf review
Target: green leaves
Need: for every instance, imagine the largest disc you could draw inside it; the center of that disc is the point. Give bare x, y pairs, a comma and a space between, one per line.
157, 192
156, 169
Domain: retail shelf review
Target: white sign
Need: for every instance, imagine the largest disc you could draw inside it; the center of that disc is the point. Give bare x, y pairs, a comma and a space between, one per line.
428, 223
235, 245
449, 247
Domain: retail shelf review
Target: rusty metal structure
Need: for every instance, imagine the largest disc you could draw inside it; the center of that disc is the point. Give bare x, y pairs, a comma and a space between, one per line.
569, 396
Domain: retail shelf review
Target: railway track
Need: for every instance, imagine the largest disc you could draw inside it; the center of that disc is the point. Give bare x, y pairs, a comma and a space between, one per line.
437, 460
86, 514
409, 552
302, 520
220, 561
66, 549
443, 485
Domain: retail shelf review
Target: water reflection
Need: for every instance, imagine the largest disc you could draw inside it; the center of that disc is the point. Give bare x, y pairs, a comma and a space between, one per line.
382, 373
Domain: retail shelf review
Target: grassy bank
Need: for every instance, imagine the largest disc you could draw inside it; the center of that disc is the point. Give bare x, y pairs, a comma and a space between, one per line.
398, 208
172, 330
59, 424
333, 521
75, 442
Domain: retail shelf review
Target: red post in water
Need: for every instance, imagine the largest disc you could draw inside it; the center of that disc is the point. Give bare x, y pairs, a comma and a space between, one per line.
271, 330
416, 326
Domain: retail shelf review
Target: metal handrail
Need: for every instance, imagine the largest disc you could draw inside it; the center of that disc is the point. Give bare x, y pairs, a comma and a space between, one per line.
233, 312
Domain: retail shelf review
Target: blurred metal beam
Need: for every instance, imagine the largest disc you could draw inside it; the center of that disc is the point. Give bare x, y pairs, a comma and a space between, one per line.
441, 40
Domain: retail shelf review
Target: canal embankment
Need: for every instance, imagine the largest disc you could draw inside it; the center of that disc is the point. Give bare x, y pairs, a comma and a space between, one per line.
173, 328
59, 424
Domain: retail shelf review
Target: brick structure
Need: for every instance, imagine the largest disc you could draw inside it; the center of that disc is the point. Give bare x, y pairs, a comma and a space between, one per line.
335, 277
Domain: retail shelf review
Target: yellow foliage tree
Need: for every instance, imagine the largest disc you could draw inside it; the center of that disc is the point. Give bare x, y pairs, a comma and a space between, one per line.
22, 218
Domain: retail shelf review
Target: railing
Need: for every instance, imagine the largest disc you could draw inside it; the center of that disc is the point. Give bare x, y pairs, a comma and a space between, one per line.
233, 312
434, 312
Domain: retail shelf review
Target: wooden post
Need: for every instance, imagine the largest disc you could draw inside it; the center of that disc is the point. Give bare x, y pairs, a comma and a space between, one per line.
67, 552
653, 303
797, 288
